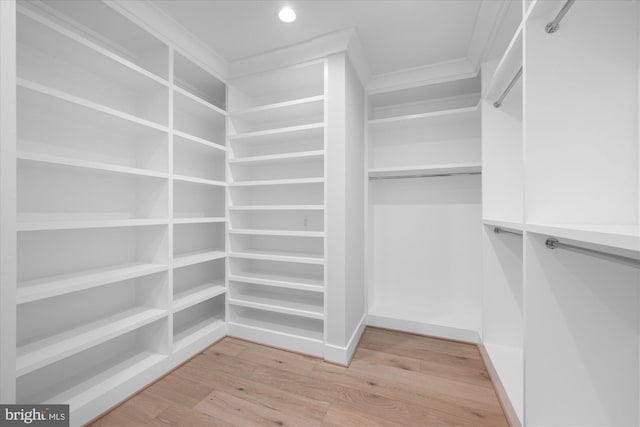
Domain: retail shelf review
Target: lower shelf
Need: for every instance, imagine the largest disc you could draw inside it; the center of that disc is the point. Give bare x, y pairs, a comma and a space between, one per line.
276, 329
457, 325
190, 258
508, 363
193, 296
198, 321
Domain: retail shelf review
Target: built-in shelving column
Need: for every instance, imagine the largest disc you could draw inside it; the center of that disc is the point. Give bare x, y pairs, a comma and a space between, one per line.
276, 190
581, 187
199, 213
424, 208
92, 206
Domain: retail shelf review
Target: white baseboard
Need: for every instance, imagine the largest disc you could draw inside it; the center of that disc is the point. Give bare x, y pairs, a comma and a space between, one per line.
433, 330
342, 355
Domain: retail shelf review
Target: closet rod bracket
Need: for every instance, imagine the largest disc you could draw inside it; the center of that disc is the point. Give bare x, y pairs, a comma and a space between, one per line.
554, 25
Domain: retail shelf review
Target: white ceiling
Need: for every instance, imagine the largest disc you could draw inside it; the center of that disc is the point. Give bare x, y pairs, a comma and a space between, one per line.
395, 34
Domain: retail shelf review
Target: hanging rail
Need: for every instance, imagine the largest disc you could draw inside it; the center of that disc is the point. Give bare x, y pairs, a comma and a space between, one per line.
512, 83
373, 178
555, 244
499, 230
553, 26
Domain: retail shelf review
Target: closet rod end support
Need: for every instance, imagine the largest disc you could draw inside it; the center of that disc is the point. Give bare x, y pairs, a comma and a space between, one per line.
497, 104
551, 243
551, 28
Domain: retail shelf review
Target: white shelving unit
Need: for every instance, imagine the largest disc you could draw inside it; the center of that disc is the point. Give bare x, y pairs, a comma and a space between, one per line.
120, 207
276, 192
424, 198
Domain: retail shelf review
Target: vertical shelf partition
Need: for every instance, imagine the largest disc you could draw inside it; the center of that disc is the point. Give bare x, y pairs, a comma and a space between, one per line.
276, 192
120, 194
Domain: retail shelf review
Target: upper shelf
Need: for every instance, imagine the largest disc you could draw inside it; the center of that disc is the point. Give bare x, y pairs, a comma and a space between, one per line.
281, 114
281, 134
426, 170
100, 24
616, 236
431, 118
507, 68
191, 78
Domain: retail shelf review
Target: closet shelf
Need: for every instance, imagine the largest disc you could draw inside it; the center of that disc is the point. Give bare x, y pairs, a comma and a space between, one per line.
80, 102
278, 158
309, 109
512, 225
203, 142
277, 208
402, 120
37, 289
198, 294
202, 181
507, 68
199, 101
280, 281
76, 225
285, 233
118, 372
43, 352
204, 220
277, 182
71, 39
276, 134
182, 260
202, 327
272, 323
57, 161
616, 236
266, 303
441, 169
279, 256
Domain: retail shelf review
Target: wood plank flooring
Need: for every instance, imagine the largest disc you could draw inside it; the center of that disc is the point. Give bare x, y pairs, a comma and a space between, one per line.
394, 379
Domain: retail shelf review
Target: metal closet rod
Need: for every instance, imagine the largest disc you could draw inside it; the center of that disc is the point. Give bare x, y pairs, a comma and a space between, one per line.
374, 178
555, 244
512, 83
499, 230
554, 25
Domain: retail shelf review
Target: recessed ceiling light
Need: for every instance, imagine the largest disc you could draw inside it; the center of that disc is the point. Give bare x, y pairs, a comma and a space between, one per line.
287, 14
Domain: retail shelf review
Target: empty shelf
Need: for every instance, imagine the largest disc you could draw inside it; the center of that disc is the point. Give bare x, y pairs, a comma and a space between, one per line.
277, 208
75, 225
203, 220
277, 182
288, 233
278, 134
298, 111
43, 352
279, 303
279, 280
426, 170
181, 260
279, 158
199, 180
616, 236
198, 140
33, 290
197, 330
190, 297
279, 256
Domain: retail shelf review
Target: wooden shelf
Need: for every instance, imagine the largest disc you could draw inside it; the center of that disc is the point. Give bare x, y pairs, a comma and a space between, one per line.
200, 328
278, 158
57, 161
34, 290
80, 102
278, 134
198, 294
203, 106
510, 225
507, 68
277, 208
182, 260
457, 113
281, 281
427, 170
277, 182
61, 36
46, 351
263, 301
204, 220
79, 392
288, 233
76, 225
178, 135
297, 111
279, 256
201, 181
625, 237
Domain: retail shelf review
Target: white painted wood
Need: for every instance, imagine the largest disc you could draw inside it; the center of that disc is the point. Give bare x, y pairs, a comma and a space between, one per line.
292, 233
279, 115
285, 325
615, 236
279, 256
277, 208
408, 171
278, 158
279, 300
199, 320
196, 295
193, 80
271, 134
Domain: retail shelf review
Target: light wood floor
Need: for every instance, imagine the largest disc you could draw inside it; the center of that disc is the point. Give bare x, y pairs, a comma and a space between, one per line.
394, 379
